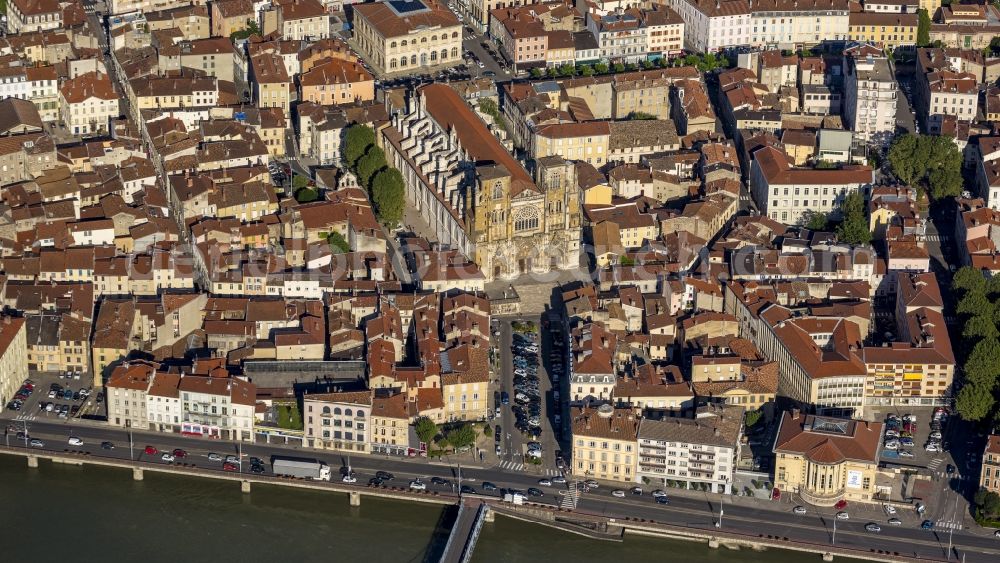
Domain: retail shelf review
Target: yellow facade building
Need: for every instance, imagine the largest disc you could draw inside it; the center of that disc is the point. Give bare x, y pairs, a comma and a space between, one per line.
605, 443
883, 29
425, 35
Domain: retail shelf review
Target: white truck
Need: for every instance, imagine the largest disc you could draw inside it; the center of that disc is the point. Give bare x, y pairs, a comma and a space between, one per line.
301, 468
514, 498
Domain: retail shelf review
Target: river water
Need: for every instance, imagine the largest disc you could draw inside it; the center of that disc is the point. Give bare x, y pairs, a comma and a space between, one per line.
84, 514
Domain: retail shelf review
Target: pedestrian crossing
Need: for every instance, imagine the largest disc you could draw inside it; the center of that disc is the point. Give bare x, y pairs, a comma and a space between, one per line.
26, 416
511, 466
572, 496
937, 238
934, 463
948, 525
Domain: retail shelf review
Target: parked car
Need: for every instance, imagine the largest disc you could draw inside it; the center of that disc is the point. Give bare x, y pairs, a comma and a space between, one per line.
927, 525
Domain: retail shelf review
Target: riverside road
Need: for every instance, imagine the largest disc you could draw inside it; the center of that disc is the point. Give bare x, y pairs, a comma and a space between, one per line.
700, 513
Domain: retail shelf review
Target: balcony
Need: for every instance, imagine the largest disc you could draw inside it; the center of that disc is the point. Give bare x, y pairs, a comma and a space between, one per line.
821, 499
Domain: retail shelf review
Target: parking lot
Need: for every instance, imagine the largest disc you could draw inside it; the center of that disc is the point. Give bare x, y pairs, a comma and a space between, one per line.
56, 396
919, 433
525, 436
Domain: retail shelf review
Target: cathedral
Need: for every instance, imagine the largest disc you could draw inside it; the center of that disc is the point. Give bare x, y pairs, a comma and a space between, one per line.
476, 196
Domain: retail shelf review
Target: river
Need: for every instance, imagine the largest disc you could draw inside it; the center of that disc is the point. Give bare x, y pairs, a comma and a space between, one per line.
84, 514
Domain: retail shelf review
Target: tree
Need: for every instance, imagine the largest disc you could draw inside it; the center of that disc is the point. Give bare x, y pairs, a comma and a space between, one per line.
295, 417
980, 326
973, 303
305, 195
854, 227
983, 365
648, 64
369, 165
426, 429
969, 279
932, 162
553, 72
586, 70
357, 139
974, 402
567, 70
284, 417
640, 115
619, 67
299, 181
536, 73
923, 28
817, 221
753, 417
389, 196
251, 29
338, 243
988, 503
462, 436
601, 68
487, 431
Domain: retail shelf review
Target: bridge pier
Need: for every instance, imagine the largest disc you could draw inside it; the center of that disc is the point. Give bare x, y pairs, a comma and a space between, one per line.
32, 461
713, 543
137, 474
490, 516
828, 556
245, 486
355, 498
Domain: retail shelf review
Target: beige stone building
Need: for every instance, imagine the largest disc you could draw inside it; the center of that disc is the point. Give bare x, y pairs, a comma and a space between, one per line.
26, 16
13, 357
989, 474
230, 16
586, 141
390, 423
88, 103
301, 20
111, 341
214, 56
126, 395
407, 43
336, 82
337, 421
605, 443
194, 22
825, 460
270, 82
466, 386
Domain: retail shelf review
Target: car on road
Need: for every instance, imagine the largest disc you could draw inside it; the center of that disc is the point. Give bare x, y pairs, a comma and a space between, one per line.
661, 500
895, 522
843, 516
169, 458
535, 492
108, 445
889, 509
921, 508
349, 478
636, 491
150, 450
618, 493
232, 459
230, 467
950, 469
214, 457
996, 534
658, 493
776, 494
591, 484
504, 398
36, 443
385, 475
799, 510
545, 482
179, 453
927, 525
487, 486
418, 486
559, 480
375, 482
841, 504
873, 527
468, 490
440, 481
74, 441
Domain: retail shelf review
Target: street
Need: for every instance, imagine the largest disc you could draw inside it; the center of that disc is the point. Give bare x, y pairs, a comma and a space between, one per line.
690, 509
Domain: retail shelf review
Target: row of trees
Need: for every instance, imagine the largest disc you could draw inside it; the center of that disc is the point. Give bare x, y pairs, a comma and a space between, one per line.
383, 182
930, 162
704, 63
853, 228
980, 343
459, 436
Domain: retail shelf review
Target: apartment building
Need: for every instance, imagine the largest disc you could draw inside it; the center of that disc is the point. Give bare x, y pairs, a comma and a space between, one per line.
605, 443
217, 407
886, 29
989, 471
825, 460
400, 39
194, 22
390, 423
521, 34
870, 93
338, 421
230, 16
214, 56
88, 103
942, 90
587, 141
793, 24
592, 368
120, 7
126, 394
664, 31
336, 82
699, 451
26, 16
712, 25
13, 357
271, 82
301, 20
621, 36
788, 194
